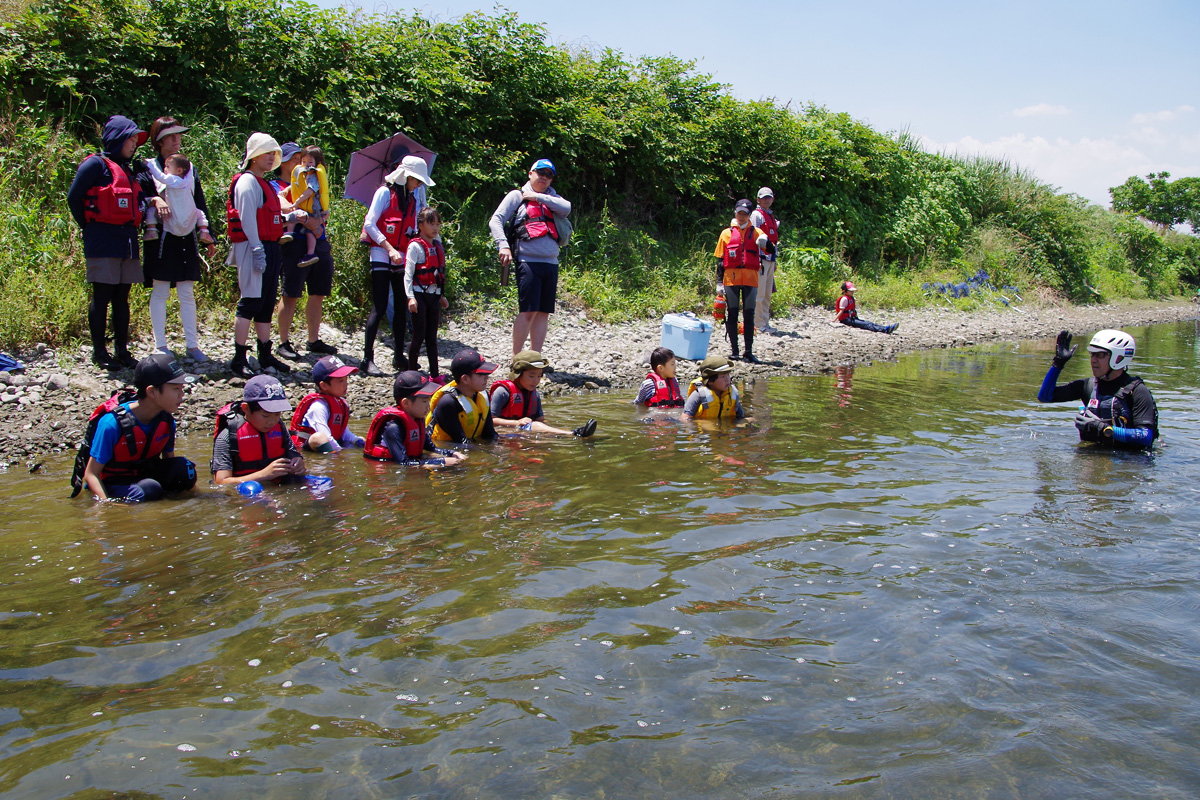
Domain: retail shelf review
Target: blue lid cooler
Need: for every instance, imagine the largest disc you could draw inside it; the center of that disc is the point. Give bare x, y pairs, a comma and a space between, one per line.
687, 335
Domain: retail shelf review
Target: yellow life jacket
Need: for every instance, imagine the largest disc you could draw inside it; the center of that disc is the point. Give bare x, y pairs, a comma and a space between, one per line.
714, 405
300, 183
472, 413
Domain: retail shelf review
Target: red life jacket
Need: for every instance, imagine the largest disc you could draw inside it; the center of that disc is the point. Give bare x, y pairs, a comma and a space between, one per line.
770, 225
741, 251
118, 203
132, 450
339, 417
269, 215
666, 392
398, 226
433, 271
848, 312
534, 220
254, 450
520, 403
414, 435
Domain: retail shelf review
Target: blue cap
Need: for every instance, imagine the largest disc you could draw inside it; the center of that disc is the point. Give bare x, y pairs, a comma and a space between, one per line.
288, 149
543, 163
267, 392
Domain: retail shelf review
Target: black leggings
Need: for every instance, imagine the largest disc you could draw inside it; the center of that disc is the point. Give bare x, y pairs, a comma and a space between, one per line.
381, 281
425, 327
740, 298
104, 295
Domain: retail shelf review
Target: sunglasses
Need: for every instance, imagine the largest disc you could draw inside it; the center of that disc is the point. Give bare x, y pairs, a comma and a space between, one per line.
544, 173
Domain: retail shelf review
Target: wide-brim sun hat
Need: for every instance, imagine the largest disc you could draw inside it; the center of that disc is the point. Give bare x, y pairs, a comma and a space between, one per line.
528, 359
715, 365
259, 144
411, 166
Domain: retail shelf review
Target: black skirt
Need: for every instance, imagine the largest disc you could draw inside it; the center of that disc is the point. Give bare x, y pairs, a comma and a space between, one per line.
171, 258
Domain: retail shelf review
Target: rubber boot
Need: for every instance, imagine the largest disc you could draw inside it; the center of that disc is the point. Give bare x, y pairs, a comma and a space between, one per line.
240, 366
368, 363
749, 336
731, 332
265, 359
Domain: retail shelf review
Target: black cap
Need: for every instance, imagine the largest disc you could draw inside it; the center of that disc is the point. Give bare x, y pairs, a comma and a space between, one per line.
411, 383
743, 205
157, 369
468, 361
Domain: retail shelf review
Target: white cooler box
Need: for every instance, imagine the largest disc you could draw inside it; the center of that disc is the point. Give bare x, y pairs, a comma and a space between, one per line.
687, 335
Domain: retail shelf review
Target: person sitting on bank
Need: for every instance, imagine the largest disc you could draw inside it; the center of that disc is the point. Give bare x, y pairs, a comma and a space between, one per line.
398, 432
321, 422
848, 315
131, 450
459, 410
660, 389
251, 442
516, 402
739, 261
1119, 410
713, 395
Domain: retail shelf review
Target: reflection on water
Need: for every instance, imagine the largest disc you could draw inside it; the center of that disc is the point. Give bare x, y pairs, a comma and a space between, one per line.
904, 581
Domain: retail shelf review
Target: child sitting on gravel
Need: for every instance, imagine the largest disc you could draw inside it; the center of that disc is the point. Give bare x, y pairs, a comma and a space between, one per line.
321, 422
660, 389
398, 432
847, 315
515, 402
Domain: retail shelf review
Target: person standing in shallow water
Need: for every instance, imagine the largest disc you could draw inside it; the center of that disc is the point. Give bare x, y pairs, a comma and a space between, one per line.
1119, 410
538, 214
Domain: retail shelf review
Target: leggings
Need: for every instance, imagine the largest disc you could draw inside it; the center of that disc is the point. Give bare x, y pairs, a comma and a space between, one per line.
743, 298
383, 278
425, 328
104, 295
184, 290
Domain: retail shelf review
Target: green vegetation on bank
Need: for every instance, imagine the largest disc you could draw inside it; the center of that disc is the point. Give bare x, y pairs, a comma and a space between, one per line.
652, 154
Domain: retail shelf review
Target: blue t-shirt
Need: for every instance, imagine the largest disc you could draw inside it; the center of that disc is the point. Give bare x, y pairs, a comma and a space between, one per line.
108, 433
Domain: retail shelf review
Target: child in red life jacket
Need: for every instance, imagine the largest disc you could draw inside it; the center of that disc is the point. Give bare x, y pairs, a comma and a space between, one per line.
321, 422
848, 315
131, 453
661, 389
515, 402
255, 445
398, 432
425, 286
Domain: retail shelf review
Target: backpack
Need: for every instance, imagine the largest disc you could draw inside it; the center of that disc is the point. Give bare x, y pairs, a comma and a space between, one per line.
85, 449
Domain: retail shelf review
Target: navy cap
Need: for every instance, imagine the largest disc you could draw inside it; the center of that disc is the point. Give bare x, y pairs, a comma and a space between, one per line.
411, 383
157, 369
289, 149
331, 367
468, 361
743, 205
268, 392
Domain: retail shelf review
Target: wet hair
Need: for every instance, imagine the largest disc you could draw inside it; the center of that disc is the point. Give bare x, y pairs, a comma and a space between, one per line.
660, 356
157, 126
178, 161
317, 156
428, 214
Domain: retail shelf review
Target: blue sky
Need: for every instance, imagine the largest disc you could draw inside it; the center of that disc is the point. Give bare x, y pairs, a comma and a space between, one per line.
1083, 94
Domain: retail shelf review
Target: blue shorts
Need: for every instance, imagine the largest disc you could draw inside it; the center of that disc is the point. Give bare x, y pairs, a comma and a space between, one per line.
537, 286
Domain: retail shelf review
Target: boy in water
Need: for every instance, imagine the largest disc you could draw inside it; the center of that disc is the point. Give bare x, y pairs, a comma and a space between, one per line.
660, 389
321, 422
713, 395
459, 410
516, 403
398, 433
254, 445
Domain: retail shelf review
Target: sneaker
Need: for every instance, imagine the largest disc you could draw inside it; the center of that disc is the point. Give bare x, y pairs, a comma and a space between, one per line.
101, 358
266, 360
286, 350
286, 239
166, 351
308, 260
126, 358
369, 368
320, 347
197, 355
586, 429
891, 327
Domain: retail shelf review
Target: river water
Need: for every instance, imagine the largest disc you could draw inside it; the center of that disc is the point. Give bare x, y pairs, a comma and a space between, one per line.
904, 580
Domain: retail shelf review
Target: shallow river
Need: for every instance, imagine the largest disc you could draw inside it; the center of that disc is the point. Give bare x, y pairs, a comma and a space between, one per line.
907, 580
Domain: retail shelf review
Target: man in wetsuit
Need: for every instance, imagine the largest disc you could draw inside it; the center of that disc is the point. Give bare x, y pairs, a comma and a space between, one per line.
1119, 410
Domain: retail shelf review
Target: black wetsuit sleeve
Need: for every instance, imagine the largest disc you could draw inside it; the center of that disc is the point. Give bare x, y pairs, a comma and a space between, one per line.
1069, 391
445, 415
393, 439
221, 458
489, 429
289, 447
1143, 407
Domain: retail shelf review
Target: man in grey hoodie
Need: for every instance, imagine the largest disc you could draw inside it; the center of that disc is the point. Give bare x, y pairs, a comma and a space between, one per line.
535, 216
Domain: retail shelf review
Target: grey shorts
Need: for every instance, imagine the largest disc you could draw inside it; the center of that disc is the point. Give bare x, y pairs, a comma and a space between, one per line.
113, 270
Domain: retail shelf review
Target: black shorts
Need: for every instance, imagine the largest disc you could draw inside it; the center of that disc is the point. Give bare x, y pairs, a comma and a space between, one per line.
318, 277
537, 286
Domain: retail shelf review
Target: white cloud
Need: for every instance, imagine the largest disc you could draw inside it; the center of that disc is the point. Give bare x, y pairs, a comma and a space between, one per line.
1042, 110
1161, 116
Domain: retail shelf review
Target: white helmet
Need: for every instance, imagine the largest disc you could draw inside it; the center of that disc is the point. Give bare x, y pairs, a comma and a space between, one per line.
1118, 344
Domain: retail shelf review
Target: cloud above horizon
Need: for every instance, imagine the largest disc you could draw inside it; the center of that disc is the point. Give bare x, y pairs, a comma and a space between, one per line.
1161, 116
1042, 110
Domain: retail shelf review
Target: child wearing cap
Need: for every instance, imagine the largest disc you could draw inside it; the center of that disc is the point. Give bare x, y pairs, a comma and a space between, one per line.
130, 454
321, 422
398, 432
459, 410
660, 389
739, 262
516, 403
254, 445
713, 395
847, 315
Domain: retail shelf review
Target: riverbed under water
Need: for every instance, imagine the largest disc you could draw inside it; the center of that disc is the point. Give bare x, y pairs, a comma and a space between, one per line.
905, 580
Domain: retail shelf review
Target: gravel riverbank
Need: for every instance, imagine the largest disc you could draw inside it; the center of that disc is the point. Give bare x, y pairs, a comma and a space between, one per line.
45, 408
